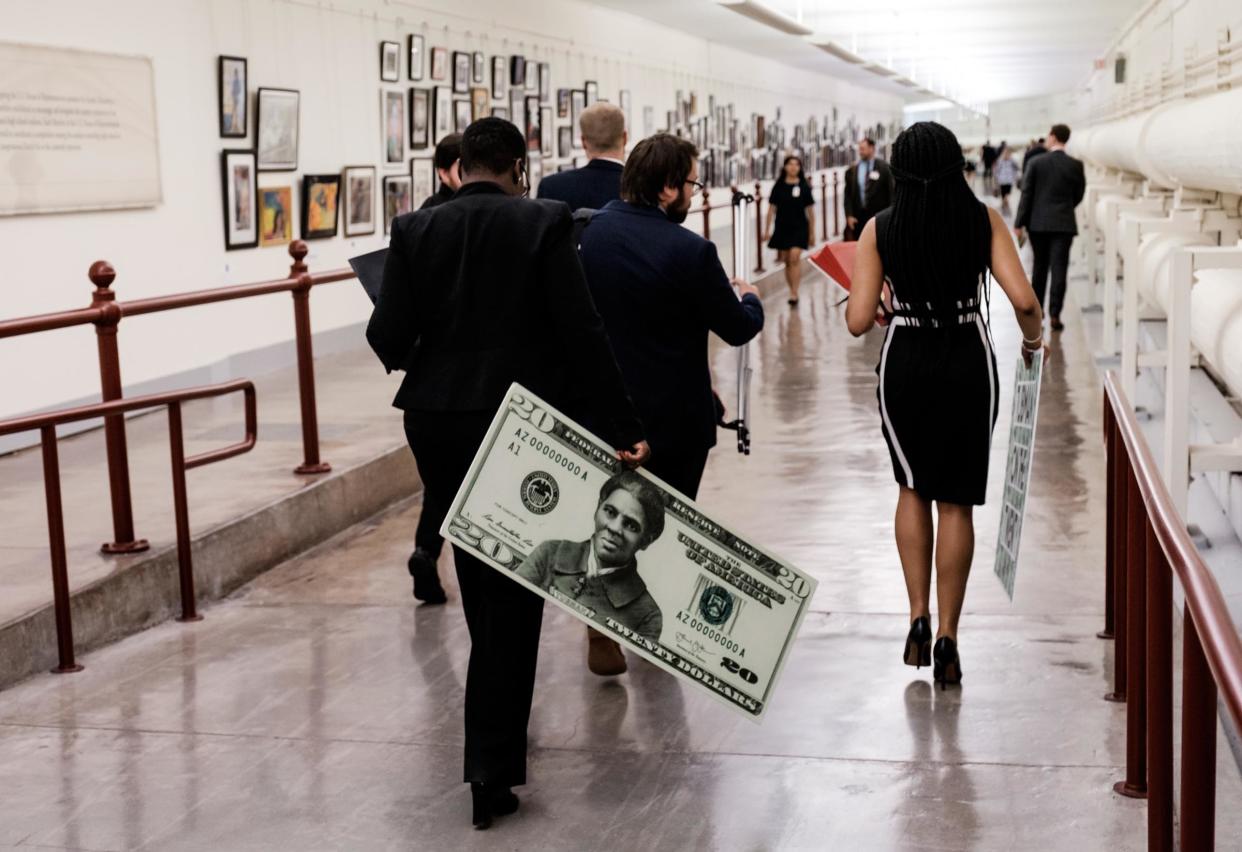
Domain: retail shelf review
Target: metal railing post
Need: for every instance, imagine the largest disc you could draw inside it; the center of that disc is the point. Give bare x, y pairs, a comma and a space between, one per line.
306, 362
707, 213
758, 228
60, 563
823, 205
1159, 697
102, 275
185, 565
1197, 812
836, 207
1120, 623
1110, 555
1135, 783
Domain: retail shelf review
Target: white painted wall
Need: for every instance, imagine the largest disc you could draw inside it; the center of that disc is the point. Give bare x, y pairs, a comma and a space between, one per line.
329, 51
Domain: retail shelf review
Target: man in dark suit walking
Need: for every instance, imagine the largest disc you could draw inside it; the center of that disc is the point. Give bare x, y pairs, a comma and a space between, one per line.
1053, 185
477, 294
660, 289
599, 181
868, 189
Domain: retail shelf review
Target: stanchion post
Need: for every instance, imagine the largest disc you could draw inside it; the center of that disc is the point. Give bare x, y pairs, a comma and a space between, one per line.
306, 362
823, 205
758, 229
1135, 784
60, 565
1110, 556
1197, 813
836, 207
102, 275
1159, 698
181, 509
1121, 468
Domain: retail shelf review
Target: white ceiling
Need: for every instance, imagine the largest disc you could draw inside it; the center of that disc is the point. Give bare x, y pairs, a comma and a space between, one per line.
973, 51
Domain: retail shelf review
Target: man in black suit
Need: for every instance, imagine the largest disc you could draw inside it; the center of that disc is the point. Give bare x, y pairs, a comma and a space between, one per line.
599, 181
868, 189
660, 289
1052, 187
477, 294
447, 161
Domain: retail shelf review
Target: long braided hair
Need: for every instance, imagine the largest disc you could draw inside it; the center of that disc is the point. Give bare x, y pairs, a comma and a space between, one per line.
938, 235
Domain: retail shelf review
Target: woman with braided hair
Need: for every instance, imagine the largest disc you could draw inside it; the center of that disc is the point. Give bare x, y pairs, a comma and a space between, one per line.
934, 248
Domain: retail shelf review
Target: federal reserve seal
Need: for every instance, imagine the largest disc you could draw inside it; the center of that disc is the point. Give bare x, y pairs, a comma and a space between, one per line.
716, 605
540, 493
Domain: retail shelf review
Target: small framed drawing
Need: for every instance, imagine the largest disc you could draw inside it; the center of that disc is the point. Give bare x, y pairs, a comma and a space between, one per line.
533, 134
359, 202
442, 114
547, 132
461, 115
241, 220
478, 73
320, 197
439, 63
420, 118
501, 112
461, 72
275, 215
517, 108
562, 103
398, 198
577, 103
565, 141
545, 82
390, 61
624, 102
423, 174
592, 92
393, 103
480, 104
500, 77
534, 174
532, 77
233, 96
417, 50
277, 137
517, 71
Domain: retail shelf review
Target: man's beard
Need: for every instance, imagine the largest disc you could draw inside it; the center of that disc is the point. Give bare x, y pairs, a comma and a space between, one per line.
677, 213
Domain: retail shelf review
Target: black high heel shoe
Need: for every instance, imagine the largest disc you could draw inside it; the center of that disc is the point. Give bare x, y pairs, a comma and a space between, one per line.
490, 800
919, 643
948, 668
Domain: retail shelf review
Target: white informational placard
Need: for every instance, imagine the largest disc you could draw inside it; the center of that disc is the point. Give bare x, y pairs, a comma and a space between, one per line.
1018, 469
77, 131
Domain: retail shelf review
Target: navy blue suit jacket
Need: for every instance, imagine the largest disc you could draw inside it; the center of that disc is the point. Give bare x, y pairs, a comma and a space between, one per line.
660, 288
590, 187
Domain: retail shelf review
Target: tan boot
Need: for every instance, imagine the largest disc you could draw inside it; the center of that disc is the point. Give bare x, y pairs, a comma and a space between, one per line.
604, 656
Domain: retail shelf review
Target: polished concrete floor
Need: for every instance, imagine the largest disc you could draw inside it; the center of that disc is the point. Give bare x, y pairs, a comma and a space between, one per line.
319, 709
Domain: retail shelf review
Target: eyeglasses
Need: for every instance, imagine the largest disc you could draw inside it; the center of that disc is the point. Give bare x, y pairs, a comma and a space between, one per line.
699, 186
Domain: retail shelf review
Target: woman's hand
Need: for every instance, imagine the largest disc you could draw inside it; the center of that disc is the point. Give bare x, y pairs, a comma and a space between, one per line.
635, 455
1029, 349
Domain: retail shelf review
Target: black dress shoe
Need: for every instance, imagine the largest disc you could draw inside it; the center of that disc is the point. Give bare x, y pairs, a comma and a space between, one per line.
490, 800
948, 668
427, 586
919, 643
1057, 325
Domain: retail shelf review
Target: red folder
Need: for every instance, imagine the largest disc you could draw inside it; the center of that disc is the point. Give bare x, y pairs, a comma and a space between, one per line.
836, 260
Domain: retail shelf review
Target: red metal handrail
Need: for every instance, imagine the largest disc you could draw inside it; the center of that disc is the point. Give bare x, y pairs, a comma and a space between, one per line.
46, 425
1150, 545
105, 313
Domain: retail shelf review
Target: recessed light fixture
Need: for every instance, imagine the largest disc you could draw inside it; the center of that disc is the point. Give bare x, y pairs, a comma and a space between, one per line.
840, 52
766, 15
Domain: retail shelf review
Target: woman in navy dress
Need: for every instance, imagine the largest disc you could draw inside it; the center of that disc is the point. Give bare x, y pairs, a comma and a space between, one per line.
934, 249
793, 208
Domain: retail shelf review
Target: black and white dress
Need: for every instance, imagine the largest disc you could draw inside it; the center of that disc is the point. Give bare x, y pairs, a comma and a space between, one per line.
938, 391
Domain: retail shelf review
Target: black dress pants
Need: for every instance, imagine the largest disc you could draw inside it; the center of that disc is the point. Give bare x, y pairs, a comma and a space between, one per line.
504, 619
1051, 254
682, 469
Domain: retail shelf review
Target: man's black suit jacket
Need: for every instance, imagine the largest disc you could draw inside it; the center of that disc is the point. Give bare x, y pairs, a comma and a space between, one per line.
486, 291
878, 192
1053, 185
590, 187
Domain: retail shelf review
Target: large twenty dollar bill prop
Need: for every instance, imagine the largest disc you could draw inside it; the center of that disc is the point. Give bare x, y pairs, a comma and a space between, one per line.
1018, 469
549, 504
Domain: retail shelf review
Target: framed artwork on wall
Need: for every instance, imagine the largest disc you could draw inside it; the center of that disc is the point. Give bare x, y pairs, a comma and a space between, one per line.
562, 103
532, 77
239, 176
439, 63
393, 106
545, 82
390, 61
592, 92
547, 132
461, 115
565, 141
398, 198
624, 102
275, 215
478, 74
534, 174
480, 104
533, 134
276, 140
501, 112
417, 51
442, 113
320, 197
500, 77
461, 72
517, 108
577, 103
423, 176
359, 202
231, 71
517, 71
420, 118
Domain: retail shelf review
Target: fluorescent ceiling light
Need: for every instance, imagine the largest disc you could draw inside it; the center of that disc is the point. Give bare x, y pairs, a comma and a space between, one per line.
766, 15
907, 82
929, 106
840, 52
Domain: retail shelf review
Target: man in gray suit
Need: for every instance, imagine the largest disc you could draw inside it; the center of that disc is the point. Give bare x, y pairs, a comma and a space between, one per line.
1052, 187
